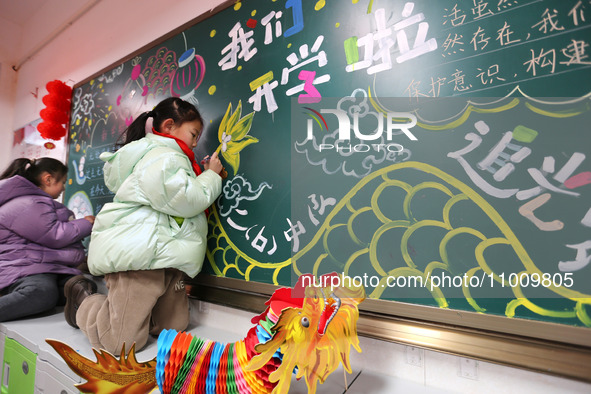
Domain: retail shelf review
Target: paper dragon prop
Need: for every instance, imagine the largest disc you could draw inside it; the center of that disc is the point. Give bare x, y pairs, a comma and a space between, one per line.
308, 331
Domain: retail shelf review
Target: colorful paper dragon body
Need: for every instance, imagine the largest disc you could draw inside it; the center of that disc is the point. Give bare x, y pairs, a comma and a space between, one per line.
308, 331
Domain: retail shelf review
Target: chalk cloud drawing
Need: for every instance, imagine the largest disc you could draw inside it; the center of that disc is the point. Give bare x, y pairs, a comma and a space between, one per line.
236, 190
346, 161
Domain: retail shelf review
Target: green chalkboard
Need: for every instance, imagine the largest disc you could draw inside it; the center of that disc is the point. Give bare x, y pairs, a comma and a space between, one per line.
441, 145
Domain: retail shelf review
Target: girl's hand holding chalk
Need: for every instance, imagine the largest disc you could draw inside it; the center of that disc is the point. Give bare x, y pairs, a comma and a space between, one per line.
213, 163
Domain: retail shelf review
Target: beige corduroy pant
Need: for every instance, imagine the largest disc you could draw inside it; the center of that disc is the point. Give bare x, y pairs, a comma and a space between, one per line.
138, 303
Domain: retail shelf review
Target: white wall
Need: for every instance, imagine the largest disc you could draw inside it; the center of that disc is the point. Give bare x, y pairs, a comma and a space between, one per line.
109, 31
10, 34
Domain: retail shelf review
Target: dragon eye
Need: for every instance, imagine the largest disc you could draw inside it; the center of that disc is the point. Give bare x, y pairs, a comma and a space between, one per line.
305, 322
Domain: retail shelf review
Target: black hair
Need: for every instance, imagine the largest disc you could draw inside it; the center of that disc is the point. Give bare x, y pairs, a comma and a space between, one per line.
33, 169
180, 111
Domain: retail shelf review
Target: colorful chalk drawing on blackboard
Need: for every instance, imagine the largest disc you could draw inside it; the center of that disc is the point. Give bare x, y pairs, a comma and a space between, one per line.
158, 72
318, 254
512, 149
96, 117
88, 106
457, 192
80, 204
233, 135
133, 94
345, 214
189, 75
79, 171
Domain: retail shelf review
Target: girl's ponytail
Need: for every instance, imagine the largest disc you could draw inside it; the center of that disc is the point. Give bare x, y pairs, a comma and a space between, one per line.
33, 169
135, 131
174, 108
17, 167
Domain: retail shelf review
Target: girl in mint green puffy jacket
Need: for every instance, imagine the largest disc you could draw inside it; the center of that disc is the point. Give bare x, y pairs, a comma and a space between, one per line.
154, 230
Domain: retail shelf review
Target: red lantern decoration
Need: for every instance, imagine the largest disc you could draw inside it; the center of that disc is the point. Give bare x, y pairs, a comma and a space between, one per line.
53, 114
57, 112
59, 88
51, 130
58, 102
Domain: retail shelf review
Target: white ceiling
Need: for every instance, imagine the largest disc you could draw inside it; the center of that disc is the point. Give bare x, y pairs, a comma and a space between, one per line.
19, 11
38, 20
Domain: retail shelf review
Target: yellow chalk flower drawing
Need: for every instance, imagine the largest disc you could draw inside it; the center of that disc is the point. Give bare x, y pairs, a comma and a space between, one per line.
109, 375
233, 135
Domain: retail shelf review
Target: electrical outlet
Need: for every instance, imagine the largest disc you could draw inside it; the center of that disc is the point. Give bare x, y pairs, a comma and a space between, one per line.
414, 356
468, 368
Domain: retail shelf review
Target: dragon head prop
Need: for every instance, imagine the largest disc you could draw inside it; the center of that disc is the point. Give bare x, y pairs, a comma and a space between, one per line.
315, 329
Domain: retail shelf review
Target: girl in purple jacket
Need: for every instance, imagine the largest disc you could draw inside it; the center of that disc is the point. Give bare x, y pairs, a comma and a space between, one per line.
40, 241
